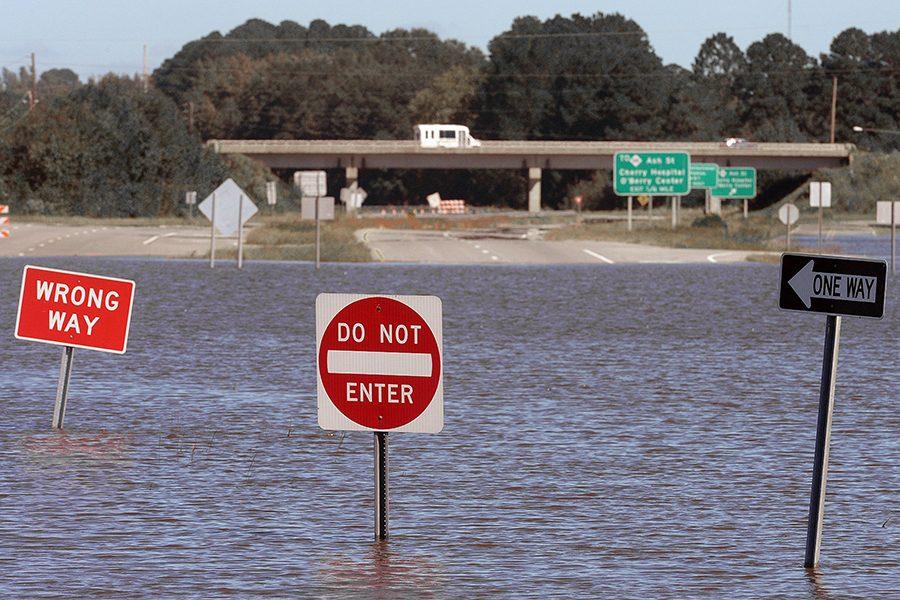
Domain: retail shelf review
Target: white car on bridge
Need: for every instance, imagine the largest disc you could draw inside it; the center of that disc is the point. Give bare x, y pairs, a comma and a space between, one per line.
444, 136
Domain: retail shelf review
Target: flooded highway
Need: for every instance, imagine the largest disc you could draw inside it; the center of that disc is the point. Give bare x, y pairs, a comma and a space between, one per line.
610, 430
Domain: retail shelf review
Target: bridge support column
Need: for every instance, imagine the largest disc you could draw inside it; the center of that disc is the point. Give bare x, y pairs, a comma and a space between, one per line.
351, 174
534, 190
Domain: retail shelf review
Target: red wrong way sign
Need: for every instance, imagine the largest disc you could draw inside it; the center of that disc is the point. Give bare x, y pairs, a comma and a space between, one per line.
379, 363
74, 309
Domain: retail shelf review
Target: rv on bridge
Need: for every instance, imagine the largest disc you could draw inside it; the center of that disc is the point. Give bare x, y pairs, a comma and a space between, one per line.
444, 136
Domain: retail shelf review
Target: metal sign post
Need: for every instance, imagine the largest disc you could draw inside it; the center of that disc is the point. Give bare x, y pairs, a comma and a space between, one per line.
318, 233
630, 202
73, 310
886, 214
835, 286
212, 234
381, 485
240, 252
379, 367
823, 441
62, 389
820, 196
788, 214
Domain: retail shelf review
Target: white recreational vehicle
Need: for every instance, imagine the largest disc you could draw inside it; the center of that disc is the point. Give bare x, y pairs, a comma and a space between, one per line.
444, 136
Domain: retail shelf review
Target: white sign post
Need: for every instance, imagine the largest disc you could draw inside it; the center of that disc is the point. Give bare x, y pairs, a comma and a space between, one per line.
190, 198
228, 207
820, 196
379, 368
886, 214
271, 193
788, 214
313, 184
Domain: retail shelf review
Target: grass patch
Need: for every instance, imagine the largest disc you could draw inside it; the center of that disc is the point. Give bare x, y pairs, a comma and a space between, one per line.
287, 237
694, 231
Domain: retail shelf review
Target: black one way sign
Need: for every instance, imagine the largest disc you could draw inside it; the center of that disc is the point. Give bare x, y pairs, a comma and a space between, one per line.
852, 287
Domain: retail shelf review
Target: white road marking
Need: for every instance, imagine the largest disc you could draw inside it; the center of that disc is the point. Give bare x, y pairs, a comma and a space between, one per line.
40, 245
598, 256
477, 246
150, 240
21, 254
30, 250
494, 257
485, 252
712, 257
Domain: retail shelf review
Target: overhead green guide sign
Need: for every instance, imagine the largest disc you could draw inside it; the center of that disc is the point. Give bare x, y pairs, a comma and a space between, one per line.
704, 175
651, 173
736, 182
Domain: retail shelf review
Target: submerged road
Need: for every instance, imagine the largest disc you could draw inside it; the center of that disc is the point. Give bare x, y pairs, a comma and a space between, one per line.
397, 245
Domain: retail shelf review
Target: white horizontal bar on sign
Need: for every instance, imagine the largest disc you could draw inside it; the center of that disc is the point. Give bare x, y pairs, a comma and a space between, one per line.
352, 362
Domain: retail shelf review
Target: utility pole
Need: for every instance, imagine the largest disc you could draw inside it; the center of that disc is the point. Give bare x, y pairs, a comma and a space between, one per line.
833, 104
790, 37
32, 98
145, 77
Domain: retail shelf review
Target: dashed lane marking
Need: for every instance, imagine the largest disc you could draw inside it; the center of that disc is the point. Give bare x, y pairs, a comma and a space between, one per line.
598, 256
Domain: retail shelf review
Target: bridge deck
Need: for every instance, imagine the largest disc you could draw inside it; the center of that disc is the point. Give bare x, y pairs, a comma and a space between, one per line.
407, 154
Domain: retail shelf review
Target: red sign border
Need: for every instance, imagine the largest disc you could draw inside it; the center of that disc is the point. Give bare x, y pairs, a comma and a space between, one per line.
54, 343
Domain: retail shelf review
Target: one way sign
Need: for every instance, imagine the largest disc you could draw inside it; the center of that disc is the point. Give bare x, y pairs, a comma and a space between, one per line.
852, 287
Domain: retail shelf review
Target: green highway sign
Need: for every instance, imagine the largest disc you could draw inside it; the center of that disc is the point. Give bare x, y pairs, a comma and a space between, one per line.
651, 173
704, 175
735, 182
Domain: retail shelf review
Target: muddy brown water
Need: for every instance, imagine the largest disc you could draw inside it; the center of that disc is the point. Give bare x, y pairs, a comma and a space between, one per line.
611, 431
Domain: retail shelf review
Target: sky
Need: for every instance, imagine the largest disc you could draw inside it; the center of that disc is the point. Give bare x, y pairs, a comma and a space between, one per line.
94, 37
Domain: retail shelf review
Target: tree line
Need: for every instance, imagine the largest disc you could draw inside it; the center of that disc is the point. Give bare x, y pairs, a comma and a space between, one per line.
108, 147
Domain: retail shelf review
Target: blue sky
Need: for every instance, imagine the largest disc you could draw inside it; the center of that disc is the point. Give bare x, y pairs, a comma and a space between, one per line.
98, 36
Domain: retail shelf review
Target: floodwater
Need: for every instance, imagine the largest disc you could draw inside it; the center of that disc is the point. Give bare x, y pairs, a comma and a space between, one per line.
611, 431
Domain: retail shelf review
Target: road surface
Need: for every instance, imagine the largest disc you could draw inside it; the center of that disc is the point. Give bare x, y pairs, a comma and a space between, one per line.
41, 239
398, 245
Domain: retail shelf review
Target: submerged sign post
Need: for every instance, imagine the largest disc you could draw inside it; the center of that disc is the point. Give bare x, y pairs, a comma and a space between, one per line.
379, 368
835, 286
227, 209
73, 310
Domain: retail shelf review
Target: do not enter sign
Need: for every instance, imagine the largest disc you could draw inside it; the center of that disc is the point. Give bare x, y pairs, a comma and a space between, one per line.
379, 363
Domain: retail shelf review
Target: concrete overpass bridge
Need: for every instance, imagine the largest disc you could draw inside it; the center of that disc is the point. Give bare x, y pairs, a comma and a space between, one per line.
533, 156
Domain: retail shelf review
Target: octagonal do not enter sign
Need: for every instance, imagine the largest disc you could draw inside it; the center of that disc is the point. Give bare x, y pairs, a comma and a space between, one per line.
379, 363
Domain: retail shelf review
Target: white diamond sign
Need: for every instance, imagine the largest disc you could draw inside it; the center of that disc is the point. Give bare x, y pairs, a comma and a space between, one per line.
230, 210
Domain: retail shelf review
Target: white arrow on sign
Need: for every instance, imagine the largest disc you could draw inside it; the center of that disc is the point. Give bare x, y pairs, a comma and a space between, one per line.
809, 284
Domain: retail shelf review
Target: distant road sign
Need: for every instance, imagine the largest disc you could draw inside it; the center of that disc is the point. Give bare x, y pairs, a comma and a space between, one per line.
311, 183
74, 309
651, 173
229, 213
735, 182
308, 208
883, 212
4, 209
704, 175
379, 363
788, 214
820, 193
835, 285
271, 193
190, 198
